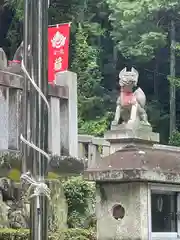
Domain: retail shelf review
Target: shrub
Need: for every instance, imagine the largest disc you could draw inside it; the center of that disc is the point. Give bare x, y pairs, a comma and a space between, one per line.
73, 234
80, 196
11, 234
175, 139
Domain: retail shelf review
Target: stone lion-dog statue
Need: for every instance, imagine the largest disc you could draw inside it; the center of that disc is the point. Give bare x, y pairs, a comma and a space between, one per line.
130, 105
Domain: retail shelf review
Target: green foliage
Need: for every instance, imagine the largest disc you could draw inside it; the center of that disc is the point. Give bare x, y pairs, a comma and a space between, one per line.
77, 192
159, 119
177, 48
14, 175
91, 94
142, 25
89, 77
79, 195
174, 81
11, 234
16, 6
175, 139
95, 127
74, 234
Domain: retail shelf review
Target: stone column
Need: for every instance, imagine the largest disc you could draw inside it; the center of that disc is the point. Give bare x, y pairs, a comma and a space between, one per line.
69, 79
14, 118
64, 128
4, 111
4, 104
54, 127
94, 156
106, 151
81, 150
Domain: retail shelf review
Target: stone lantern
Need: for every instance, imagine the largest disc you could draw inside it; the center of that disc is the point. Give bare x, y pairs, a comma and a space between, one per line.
137, 185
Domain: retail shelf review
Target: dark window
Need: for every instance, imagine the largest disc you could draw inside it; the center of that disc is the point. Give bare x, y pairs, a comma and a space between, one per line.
164, 209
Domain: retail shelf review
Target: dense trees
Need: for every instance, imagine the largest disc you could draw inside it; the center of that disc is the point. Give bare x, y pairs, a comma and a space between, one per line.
106, 36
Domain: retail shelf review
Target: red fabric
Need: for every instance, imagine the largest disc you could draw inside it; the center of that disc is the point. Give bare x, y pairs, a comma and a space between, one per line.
14, 61
58, 49
127, 98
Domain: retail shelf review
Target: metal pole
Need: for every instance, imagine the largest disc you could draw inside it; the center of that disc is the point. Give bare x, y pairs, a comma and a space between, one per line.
35, 35
39, 112
25, 86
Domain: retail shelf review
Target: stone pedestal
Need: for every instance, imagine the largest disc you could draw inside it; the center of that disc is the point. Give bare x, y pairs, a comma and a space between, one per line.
125, 181
121, 135
133, 198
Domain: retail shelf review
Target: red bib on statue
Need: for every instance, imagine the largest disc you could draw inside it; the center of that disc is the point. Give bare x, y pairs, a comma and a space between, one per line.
127, 98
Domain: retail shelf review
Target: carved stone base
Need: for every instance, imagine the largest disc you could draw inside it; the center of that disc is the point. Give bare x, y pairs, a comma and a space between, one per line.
133, 126
136, 133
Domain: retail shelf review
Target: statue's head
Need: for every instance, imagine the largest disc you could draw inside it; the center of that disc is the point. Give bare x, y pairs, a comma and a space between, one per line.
127, 78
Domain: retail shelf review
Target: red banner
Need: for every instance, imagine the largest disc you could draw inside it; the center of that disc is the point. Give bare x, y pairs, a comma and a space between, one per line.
58, 49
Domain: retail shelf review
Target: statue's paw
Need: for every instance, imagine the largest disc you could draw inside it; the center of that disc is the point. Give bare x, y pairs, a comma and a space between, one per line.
114, 123
130, 121
146, 123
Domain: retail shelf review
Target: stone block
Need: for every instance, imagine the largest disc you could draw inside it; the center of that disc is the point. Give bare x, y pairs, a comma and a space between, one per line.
129, 224
14, 118
54, 127
64, 128
123, 134
4, 112
59, 208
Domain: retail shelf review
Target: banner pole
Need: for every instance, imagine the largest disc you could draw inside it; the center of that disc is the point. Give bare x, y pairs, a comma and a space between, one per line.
60, 24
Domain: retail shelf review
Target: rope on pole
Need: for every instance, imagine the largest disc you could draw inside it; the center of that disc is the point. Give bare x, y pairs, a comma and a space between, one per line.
40, 188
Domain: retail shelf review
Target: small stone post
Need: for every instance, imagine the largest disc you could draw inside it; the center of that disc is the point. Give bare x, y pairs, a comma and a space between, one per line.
69, 114
4, 103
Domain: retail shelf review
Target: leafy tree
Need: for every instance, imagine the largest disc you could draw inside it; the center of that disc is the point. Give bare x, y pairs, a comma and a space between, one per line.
90, 91
140, 27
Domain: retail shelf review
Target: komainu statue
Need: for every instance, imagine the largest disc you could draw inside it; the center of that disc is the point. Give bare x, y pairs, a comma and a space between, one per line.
130, 104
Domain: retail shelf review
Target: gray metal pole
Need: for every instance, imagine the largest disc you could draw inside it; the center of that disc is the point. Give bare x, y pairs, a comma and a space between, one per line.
25, 86
35, 69
39, 112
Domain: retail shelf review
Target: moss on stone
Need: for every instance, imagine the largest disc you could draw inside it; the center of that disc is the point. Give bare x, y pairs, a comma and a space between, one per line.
52, 175
14, 175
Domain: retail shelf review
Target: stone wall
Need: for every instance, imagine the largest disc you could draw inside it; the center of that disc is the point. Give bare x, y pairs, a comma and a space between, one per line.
92, 149
63, 103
